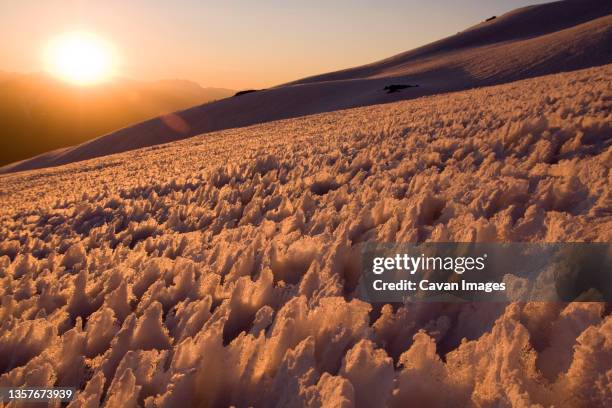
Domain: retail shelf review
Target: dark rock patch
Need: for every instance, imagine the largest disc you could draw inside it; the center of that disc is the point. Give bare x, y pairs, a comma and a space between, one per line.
397, 87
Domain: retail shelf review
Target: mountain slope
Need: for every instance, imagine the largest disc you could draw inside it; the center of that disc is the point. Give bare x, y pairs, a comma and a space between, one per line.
201, 274
39, 113
528, 42
482, 43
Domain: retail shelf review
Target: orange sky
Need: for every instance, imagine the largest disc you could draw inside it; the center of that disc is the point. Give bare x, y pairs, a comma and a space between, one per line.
234, 43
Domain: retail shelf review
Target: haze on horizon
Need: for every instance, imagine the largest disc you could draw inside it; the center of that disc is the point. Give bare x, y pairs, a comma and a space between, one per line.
232, 44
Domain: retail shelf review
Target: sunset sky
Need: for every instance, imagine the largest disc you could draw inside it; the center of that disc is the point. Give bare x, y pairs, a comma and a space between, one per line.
236, 43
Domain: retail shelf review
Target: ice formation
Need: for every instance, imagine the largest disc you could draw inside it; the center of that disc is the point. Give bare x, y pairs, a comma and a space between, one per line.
221, 270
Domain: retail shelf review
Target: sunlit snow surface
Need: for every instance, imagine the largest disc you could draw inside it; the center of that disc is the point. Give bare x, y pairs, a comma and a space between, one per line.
221, 270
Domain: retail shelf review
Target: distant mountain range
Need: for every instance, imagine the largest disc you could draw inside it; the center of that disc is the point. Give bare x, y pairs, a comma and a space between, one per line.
39, 113
527, 42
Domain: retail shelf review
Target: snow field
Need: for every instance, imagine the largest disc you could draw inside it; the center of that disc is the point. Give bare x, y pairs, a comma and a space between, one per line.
221, 270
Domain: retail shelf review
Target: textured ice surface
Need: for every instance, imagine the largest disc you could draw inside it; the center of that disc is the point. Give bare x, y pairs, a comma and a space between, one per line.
220, 270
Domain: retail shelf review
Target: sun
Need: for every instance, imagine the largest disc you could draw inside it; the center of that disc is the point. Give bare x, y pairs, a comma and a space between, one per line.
81, 58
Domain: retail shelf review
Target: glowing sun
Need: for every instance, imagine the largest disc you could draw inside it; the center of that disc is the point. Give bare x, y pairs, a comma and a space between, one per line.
80, 58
